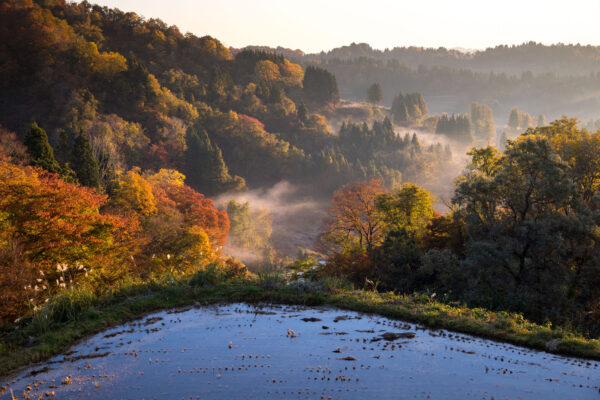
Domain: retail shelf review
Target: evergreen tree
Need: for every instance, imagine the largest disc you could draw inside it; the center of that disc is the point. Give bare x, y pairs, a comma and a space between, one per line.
457, 127
374, 93
302, 113
401, 116
204, 165
407, 109
42, 155
64, 148
413, 103
422, 104
416, 146
64, 155
513, 118
85, 164
519, 119
447, 152
320, 86
502, 141
482, 119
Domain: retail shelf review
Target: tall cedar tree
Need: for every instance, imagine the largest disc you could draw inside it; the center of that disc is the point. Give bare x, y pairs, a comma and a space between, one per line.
64, 148
84, 162
40, 150
204, 165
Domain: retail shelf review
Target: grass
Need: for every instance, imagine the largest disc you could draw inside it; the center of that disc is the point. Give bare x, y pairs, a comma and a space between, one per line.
75, 314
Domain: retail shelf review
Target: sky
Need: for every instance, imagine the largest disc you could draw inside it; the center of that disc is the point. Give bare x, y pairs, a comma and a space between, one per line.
316, 25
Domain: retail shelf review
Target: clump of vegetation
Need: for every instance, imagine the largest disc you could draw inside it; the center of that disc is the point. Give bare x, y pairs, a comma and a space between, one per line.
482, 122
58, 236
408, 109
455, 126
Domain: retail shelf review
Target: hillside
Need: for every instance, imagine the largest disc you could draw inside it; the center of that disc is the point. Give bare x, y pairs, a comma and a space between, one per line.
541, 79
149, 96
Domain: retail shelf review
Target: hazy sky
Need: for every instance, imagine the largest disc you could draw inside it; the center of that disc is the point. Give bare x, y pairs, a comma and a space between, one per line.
315, 25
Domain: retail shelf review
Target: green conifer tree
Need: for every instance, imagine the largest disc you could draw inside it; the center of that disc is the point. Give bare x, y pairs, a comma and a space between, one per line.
64, 148
85, 164
374, 93
205, 168
302, 113
42, 155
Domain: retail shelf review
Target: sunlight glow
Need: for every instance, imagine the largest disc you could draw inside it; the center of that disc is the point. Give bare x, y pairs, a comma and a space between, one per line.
315, 25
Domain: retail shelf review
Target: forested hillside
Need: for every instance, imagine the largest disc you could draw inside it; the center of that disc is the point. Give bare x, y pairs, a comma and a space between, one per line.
555, 80
148, 96
560, 59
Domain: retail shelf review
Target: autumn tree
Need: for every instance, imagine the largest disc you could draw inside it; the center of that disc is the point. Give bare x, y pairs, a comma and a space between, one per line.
518, 207
199, 211
134, 194
181, 230
353, 221
11, 148
409, 207
579, 149
45, 222
405, 213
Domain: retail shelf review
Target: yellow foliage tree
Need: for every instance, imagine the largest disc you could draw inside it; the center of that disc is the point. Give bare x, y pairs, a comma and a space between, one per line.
166, 177
292, 74
134, 193
267, 71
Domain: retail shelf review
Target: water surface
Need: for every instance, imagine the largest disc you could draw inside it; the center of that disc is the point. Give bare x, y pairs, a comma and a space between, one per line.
241, 351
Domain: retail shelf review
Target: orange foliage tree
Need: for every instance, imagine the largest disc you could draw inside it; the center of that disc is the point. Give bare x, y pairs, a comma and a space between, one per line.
182, 230
197, 210
353, 221
53, 221
51, 235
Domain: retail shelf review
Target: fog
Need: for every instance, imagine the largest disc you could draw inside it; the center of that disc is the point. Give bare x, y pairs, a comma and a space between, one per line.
442, 184
296, 218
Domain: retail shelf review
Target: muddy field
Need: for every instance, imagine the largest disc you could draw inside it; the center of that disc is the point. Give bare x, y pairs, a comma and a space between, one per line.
244, 352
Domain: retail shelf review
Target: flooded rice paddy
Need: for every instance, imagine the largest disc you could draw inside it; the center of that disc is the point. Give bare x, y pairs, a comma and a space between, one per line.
241, 351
